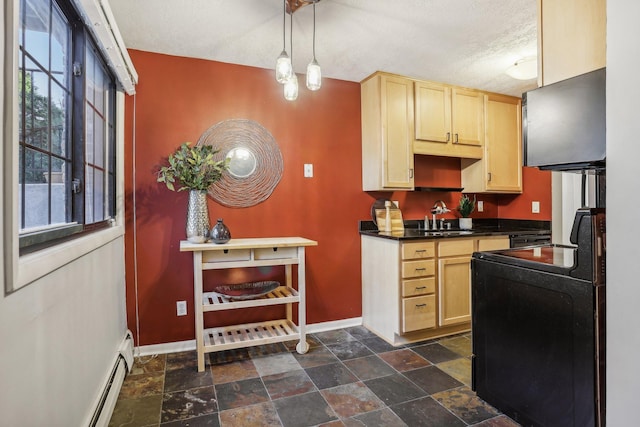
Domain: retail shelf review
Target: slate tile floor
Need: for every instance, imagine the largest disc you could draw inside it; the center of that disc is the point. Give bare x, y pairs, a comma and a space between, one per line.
349, 377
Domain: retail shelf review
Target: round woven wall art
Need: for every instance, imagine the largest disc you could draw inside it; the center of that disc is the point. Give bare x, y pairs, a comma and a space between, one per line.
255, 165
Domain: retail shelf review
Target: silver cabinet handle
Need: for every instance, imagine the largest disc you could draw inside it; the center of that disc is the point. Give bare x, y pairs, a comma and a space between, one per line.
420, 287
456, 141
448, 136
420, 305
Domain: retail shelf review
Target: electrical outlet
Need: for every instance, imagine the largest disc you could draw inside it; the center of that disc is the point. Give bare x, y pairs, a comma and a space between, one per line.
397, 203
308, 170
181, 308
535, 207
480, 206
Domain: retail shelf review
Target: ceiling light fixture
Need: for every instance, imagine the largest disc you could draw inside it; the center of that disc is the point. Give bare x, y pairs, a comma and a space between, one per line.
314, 73
285, 74
284, 68
524, 69
291, 85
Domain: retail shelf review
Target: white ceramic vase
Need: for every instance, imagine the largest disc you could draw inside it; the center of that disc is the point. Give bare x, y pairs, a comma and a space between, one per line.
465, 223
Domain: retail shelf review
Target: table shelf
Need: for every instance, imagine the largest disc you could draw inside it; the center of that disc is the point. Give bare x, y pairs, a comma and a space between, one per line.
242, 253
213, 301
253, 334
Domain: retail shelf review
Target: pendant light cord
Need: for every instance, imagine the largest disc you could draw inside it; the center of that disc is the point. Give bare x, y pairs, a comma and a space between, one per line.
284, 25
314, 30
291, 40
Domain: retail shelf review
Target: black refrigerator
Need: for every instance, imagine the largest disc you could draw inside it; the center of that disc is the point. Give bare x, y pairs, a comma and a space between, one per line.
538, 328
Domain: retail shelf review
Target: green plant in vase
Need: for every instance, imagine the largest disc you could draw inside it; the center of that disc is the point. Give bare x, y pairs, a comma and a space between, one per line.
194, 168
465, 207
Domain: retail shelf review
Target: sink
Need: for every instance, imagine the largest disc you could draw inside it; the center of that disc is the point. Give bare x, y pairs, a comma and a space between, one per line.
447, 233
436, 233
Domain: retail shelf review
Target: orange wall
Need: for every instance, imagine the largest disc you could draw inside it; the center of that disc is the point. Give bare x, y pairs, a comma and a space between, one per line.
180, 98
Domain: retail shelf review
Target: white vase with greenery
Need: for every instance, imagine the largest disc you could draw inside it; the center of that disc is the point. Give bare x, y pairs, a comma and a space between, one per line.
465, 208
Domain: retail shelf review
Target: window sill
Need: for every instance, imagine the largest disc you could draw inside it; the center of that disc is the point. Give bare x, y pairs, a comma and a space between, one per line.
34, 266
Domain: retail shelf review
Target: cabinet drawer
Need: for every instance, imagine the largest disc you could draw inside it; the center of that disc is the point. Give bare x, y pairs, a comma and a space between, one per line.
418, 250
493, 244
275, 253
455, 247
422, 286
418, 268
418, 313
226, 255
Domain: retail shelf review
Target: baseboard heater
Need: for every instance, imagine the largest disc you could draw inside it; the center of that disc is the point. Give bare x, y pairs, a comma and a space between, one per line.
109, 396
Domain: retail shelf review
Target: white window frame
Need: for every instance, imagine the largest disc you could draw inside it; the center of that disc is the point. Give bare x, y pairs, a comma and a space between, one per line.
18, 271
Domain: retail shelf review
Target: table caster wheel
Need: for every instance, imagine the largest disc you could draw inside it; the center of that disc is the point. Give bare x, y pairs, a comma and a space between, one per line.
302, 347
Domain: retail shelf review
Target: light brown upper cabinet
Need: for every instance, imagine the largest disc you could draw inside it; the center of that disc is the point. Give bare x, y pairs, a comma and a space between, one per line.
500, 169
571, 37
449, 120
387, 133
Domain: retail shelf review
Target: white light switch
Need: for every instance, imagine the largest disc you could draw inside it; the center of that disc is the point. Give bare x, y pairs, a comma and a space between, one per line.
535, 207
308, 170
480, 206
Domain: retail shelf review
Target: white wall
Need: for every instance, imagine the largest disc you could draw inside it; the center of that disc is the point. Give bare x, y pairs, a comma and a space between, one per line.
623, 209
59, 334
58, 340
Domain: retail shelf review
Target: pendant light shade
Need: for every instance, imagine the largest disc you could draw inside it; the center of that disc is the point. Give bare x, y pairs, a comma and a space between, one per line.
284, 69
314, 73
291, 88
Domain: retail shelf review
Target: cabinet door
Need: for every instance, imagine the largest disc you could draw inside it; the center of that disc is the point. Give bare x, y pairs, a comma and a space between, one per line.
503, 144
433, 112
397, 133
572, 37
467, 117
454, 287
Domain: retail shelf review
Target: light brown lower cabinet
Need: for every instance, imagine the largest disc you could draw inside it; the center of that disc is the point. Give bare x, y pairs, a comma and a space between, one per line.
419, 289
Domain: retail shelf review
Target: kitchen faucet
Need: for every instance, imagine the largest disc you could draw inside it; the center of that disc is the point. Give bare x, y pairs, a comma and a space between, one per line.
439, 207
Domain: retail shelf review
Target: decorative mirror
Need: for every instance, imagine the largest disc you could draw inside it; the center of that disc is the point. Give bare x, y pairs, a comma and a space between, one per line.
242, 162
255, 162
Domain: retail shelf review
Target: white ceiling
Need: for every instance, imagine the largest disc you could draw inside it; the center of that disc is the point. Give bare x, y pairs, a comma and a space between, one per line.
462, 42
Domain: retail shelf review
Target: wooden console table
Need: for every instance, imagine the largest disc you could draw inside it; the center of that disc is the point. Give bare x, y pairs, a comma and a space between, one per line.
254, 252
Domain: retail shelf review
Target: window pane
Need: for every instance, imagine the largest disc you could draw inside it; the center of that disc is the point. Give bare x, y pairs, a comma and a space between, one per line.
88, 196
37, 30
89, 134
98, 101
99, 142
59, 46
59, 193
90, 76
36, 99
36, 207
59, 102
98, 195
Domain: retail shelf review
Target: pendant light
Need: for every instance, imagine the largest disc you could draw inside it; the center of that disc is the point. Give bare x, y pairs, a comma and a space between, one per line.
284, 69
291, 85
314, 74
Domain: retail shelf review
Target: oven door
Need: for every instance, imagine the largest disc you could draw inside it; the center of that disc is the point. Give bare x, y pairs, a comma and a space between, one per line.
533, 343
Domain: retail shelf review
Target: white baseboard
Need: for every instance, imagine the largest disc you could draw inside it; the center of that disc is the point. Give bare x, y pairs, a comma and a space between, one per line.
105, 402
174, 347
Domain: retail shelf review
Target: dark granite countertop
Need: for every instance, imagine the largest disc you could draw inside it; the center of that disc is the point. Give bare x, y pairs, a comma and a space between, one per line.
414, 229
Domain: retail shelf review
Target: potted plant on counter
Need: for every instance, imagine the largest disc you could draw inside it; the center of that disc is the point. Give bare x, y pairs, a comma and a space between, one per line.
194, 168
465, 208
